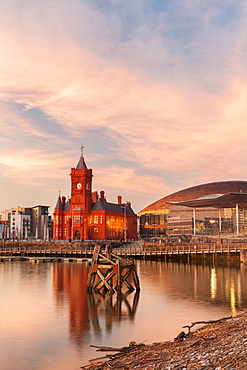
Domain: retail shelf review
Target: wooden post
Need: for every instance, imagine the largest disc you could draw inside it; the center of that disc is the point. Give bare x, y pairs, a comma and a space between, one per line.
110, 266
119, 279
91, 273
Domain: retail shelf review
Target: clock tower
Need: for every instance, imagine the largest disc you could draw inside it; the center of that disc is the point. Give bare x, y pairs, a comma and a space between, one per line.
81, 186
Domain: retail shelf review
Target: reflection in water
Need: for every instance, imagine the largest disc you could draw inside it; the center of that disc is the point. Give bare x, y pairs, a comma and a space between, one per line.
218, 284
114, 306
48, 320
233, 297
213, 284
70, 283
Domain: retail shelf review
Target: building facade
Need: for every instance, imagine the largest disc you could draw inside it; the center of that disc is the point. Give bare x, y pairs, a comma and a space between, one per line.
170, 216
88, 216
26, 222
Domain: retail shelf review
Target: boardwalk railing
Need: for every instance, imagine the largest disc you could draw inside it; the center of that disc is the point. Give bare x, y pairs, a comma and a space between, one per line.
134, 249
190, 248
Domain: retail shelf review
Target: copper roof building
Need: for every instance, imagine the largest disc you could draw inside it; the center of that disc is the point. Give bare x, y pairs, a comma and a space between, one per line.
217, 207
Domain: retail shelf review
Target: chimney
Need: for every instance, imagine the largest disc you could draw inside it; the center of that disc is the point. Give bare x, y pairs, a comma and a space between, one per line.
63, 200
95, 196
119, 200
102, 195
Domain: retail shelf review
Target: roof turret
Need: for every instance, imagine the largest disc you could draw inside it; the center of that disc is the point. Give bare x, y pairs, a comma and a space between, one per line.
59, 204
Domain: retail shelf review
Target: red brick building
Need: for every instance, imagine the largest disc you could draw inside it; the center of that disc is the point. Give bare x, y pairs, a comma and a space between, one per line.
88, 216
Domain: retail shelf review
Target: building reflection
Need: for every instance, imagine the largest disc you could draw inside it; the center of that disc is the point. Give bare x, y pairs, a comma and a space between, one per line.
88, 310
220, 284
213, 284
70, 281
193, 284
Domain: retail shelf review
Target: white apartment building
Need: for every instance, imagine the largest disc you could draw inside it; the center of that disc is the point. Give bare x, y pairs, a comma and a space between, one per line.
26, 222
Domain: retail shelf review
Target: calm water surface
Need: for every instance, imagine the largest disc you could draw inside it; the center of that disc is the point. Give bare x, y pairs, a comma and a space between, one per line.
48, 321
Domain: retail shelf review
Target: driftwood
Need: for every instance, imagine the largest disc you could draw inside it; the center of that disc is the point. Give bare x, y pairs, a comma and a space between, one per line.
206, 322
121, 351
131, 346
182, 335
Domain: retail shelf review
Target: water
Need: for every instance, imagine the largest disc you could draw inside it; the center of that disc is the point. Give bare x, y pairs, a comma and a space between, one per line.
47, 321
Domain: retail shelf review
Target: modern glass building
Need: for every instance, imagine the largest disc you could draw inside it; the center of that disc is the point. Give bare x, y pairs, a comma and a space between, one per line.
209, 209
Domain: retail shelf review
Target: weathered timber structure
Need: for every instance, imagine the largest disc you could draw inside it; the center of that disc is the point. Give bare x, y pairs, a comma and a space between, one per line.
110, 272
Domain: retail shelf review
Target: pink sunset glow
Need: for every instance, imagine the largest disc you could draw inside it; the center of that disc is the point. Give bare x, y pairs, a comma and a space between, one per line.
156, 93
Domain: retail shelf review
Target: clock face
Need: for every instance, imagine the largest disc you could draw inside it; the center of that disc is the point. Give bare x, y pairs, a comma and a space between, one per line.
78, 185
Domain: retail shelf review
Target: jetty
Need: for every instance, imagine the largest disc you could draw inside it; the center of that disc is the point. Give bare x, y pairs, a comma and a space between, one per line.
156, 250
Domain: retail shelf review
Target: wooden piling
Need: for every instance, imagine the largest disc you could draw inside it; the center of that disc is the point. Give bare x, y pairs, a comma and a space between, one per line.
110, 272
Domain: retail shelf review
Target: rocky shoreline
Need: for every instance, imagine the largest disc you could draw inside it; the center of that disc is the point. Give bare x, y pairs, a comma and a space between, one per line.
220, 344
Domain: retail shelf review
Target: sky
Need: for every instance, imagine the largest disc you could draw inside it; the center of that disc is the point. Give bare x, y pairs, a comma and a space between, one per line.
155, 90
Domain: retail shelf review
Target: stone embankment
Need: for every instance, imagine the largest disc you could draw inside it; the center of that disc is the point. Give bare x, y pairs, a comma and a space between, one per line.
220, 344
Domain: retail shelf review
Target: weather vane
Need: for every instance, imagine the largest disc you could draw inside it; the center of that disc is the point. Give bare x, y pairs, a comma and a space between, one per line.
82, 147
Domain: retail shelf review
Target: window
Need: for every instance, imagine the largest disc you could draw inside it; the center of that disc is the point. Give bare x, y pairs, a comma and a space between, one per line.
95, 230
96, 219
76, 219
101, 219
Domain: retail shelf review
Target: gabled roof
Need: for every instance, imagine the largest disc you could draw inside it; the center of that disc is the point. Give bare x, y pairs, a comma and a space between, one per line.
112, 207
81, 164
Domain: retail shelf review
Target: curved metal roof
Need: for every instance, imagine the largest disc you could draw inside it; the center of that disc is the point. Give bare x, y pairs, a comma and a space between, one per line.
219, 201
195, 192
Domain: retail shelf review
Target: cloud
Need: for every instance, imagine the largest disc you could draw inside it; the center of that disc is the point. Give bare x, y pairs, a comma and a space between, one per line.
32, 167
163, 84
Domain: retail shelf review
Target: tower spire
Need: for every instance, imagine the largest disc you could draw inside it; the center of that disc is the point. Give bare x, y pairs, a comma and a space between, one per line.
82, 147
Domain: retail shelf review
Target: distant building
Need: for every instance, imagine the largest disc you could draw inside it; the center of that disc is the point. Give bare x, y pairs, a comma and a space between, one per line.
87, 215
26, 222
213, 208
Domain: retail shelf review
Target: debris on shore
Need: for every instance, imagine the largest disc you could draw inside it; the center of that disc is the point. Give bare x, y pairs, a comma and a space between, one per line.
219, 344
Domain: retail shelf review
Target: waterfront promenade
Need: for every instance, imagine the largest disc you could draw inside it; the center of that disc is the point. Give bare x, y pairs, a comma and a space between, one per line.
134, 249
